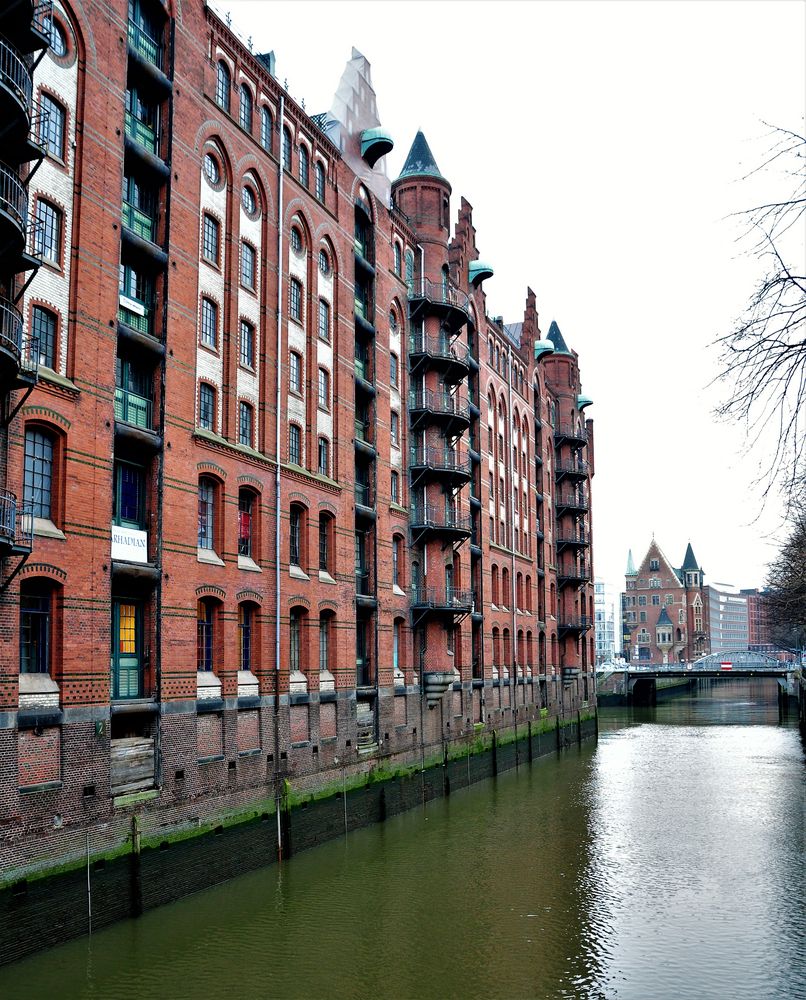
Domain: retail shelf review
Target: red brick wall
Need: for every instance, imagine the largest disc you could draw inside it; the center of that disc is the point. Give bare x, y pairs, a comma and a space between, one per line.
209, 736
327, 720
248, 731
39, 756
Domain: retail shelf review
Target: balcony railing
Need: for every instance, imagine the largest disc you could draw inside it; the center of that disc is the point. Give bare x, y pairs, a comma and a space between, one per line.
13, 197
437, 597
365, 311
362, 369
576, 624
43, 14
363, 584
439, 458
363, 671
441, 292
133, 409
10, 329
363, 431
363, 495
434, 516
574, 538
139, 222
439, 347
568, 499
570, 433
438, 402
15, 75
136, 314
141, 133
16, 522
572, 469
142, 43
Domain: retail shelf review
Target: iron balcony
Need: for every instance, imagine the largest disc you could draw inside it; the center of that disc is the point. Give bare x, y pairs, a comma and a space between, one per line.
433, 519
577, 539
443, 407
16, 94
567, 500
441, 463
575, 435
13, 217
578, 624
576, 577
442, 601
449, 356
16, 525
440, 298
574, 470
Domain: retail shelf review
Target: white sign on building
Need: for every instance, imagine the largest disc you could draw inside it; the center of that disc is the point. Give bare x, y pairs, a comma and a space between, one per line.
129, 544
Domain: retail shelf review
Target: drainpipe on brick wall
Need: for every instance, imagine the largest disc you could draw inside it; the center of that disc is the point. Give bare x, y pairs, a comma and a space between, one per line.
277, 486
514, 663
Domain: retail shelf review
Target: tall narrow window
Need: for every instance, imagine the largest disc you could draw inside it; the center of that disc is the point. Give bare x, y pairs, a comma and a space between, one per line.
324, 641
245, 110
51, 127
38, 474
397, 554
286, 148
209, 323
295, 520
206, 407
246, 354
319, 182
206, 513
210, 239
324, 389
295, 372
324, 542
395, 487
410, 270
247, 265
294, 445
398, 262
35, 612
303, 166
246, 502
266, 128
323, 462
245, 616
294, 640
324, 320
295, 300
205, 625
43, 329
245, 422
223, 85
48, 235
394, 428
394, 371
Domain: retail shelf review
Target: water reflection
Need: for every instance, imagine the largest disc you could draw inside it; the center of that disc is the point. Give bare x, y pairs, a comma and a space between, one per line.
665, 862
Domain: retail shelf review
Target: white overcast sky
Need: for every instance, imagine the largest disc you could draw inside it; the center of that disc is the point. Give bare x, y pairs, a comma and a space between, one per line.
602, 146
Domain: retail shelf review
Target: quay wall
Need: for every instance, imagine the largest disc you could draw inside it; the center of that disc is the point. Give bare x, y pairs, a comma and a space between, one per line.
151, 867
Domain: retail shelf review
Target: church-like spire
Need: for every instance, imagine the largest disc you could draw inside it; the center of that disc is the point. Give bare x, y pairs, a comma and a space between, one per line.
690, 562
554, 335
631, 570
420, 159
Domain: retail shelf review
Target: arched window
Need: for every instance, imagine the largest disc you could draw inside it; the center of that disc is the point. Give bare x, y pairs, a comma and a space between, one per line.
52, 127
207, 414
206, 627
297, 521
519, 591
247, 523
397, 259
266, 128
397, 562
38, 476
496, 647
326, 543
326, 619
248, 646
303, 166
506, 652
297, 653
245, 110
505, 594
286, 148
223, 86
410, 270
37, 606
527, 597
208, 497
323, 457
494, 591
319, 182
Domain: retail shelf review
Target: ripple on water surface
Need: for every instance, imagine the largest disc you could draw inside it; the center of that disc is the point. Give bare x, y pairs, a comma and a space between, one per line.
666, 862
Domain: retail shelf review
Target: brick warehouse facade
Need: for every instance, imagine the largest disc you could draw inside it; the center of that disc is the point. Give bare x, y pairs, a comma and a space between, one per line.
222, 324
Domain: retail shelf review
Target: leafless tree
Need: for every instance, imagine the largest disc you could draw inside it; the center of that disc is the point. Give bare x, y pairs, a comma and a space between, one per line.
763, 358
785, 603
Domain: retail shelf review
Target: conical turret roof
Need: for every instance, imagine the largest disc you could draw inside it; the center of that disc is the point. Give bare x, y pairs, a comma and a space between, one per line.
663, 618
630, 571
420, 160
690, 562
554, 335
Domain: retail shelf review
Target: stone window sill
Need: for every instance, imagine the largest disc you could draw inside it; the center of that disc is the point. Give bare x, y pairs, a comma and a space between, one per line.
45, 528
208, 556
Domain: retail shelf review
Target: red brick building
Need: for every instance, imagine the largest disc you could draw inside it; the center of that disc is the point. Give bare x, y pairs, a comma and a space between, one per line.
664, 609
273, 482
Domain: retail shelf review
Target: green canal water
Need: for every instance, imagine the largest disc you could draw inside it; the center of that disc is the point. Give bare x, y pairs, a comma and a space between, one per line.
667, 862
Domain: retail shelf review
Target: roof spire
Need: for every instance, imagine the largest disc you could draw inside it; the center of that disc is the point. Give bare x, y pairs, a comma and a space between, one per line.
631, 570
420, 159
690, 561
554, 335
